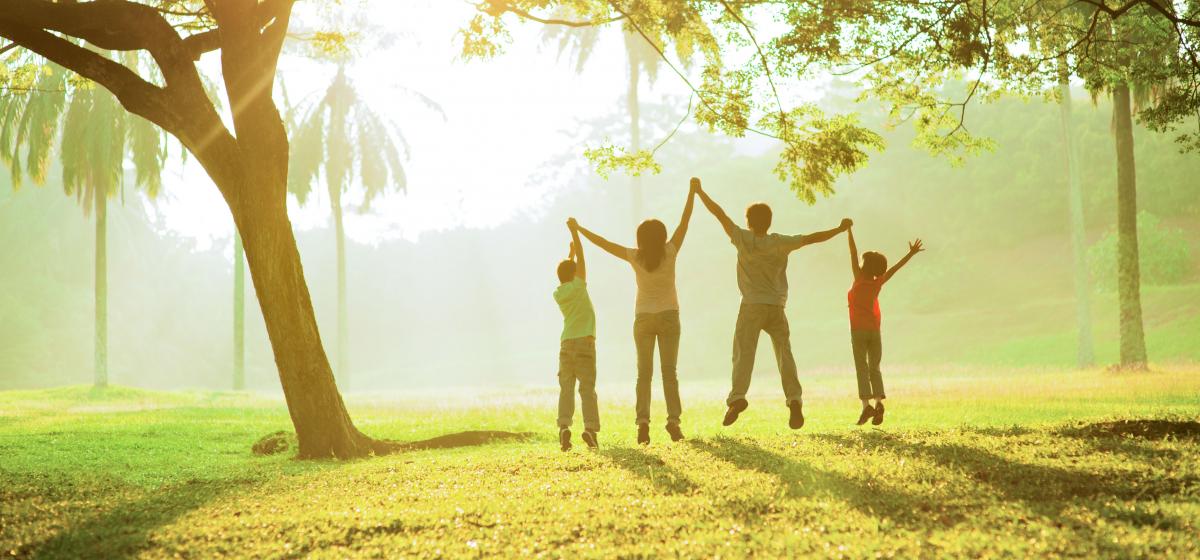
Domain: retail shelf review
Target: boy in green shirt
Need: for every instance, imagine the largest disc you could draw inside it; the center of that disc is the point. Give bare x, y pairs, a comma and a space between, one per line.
577, 352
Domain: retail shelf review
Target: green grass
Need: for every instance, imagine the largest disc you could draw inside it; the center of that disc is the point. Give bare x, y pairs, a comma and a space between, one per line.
978, 463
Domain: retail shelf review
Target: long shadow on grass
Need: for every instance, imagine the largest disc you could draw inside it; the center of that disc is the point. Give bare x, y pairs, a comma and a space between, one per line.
663, 476
801, 479
123, 531
1135, 438
1047, 491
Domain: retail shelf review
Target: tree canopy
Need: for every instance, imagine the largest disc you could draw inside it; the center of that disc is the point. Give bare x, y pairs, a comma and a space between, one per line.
757, 58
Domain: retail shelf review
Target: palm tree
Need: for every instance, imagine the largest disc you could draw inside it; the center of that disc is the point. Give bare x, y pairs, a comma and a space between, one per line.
640, 58
98, 137
1084, 349
342, 137
239, 313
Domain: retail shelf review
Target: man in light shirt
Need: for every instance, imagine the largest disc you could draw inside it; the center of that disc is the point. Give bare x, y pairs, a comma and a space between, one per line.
762, 280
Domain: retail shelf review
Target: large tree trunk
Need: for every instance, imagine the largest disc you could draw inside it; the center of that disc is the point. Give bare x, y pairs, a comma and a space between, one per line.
1133, 338
1084, 350
323, 427
635, 134
101, 295
239, 314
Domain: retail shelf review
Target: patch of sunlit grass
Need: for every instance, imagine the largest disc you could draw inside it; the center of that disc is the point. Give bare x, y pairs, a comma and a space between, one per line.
969, 464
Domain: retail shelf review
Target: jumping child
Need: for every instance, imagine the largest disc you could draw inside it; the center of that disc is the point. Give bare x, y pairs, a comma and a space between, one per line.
865, 340
577, 353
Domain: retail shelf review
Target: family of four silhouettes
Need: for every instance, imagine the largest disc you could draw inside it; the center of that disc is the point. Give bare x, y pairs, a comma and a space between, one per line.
762, 278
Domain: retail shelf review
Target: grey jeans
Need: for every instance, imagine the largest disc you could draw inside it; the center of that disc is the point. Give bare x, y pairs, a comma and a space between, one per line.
664, 328
754, 318
577, 363
868, 350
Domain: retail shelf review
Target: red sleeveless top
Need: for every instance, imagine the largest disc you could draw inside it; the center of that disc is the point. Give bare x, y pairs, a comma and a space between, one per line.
863, 300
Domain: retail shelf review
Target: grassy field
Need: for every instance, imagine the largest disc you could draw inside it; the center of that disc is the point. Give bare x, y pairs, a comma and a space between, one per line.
979, 463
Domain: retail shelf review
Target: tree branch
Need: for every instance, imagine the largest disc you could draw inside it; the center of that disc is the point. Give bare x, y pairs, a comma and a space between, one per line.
1121, 10
564, 22
135, 94
203, 42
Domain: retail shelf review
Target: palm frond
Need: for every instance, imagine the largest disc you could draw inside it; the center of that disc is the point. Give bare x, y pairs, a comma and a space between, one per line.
307, 153
426, 100
45, 108
148, 152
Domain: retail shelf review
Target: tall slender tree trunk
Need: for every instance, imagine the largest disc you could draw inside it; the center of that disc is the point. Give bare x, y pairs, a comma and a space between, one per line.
1084, 350
1133, 338
637, 195
101, 295
343, 340
239, 314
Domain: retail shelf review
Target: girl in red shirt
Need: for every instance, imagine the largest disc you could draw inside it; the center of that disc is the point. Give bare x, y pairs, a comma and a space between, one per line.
863, 299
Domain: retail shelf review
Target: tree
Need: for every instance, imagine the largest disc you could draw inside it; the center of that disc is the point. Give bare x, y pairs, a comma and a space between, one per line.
97, 139
239, 314
248, 164
1085, 354
341, 136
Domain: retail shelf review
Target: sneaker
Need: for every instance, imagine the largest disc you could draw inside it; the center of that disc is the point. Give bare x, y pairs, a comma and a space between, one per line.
589, 437
735, 408
676, 433
564, 439
878, 419
644, 434
796, 420
867, 414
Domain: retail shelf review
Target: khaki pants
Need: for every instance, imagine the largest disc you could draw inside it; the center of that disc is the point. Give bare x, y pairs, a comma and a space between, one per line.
868, 350
663, 327
577, 363
754, 318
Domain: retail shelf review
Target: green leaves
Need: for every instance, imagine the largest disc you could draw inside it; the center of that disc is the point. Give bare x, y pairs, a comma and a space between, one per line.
608, 159
828, 146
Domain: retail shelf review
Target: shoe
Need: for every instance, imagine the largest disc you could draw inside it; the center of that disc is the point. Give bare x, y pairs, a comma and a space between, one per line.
676, 433
867, 414
644, 434
564, 439
878, 419
589, 437
796, 421
735, 408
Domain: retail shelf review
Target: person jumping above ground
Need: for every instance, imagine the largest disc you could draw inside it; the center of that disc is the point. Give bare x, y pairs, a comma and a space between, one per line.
865, 340
762, 279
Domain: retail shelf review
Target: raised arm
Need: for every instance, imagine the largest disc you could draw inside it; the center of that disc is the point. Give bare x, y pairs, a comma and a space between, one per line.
577, 254
716, 211
681, 229
613, 249
913, 248
799, 241
854, 264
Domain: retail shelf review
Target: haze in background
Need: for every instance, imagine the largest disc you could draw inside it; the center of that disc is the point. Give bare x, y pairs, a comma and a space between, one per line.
450, 284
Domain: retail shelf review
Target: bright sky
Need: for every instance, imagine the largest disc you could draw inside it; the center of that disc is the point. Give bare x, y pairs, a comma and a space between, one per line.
504, 119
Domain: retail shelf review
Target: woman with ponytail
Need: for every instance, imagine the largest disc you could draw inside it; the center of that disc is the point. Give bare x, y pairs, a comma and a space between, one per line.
656, 310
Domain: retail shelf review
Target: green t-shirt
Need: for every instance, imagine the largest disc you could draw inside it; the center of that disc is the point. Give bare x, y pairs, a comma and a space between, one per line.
579, 319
